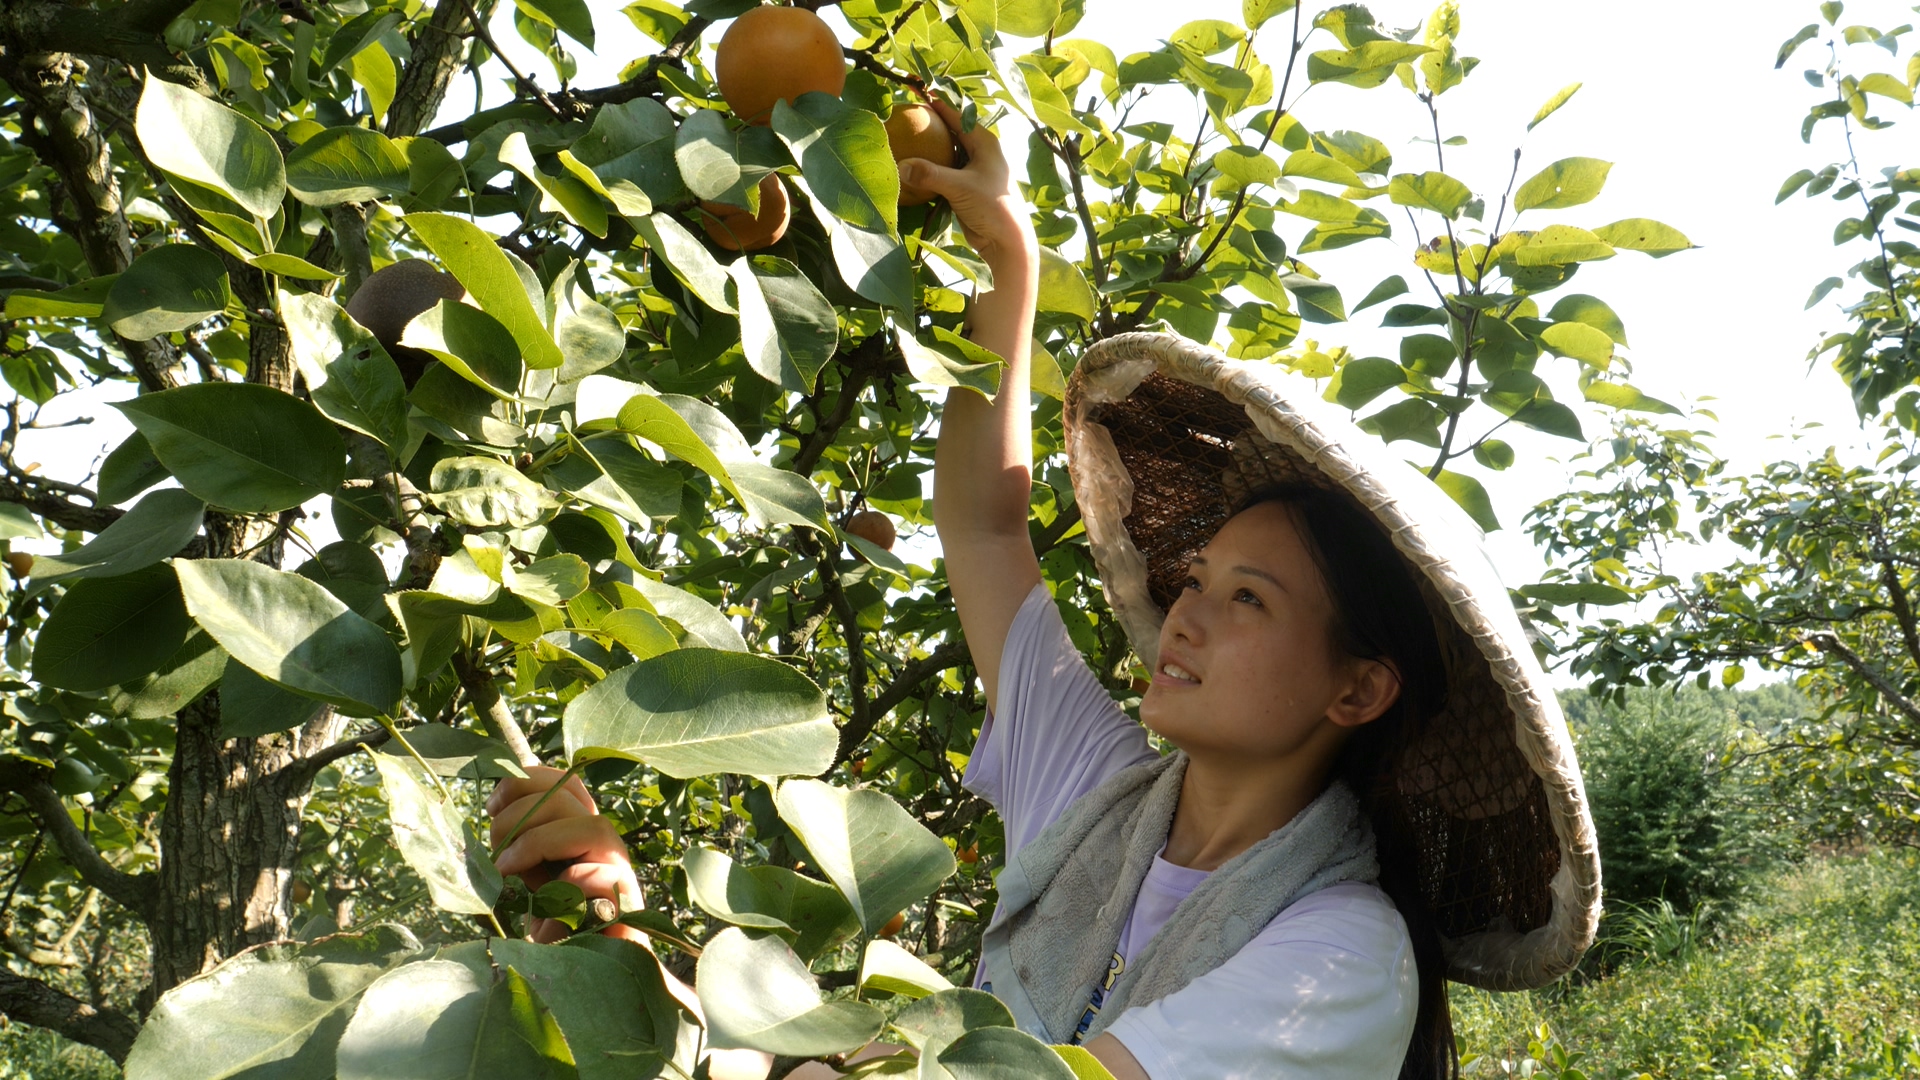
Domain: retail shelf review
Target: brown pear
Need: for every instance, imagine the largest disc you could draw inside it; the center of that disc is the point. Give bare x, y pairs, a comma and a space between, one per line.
390, 298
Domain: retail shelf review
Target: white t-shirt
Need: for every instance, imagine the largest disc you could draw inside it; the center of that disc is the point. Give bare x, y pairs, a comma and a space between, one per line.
1327, 989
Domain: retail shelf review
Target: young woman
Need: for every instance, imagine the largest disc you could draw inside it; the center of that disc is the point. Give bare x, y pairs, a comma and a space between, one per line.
1370, 792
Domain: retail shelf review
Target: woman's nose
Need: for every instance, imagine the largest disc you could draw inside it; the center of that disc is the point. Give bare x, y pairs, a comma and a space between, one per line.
1185, 618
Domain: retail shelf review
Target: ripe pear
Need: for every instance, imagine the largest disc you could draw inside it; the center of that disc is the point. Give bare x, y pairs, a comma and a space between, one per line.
389, 299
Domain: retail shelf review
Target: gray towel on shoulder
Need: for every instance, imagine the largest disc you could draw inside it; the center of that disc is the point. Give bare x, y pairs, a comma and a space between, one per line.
1086, 869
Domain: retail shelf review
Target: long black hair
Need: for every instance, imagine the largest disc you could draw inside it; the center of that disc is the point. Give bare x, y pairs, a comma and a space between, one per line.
1379, 614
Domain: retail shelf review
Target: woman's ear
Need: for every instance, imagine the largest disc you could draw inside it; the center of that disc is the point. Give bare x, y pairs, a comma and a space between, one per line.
1372, 688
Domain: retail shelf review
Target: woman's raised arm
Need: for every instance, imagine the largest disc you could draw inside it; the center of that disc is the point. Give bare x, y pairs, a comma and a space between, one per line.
983, 467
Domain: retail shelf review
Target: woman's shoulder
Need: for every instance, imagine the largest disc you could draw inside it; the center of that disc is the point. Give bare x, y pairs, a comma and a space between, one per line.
1354, 916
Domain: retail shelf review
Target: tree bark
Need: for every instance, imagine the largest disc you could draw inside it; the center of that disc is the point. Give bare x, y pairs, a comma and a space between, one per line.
30, 1001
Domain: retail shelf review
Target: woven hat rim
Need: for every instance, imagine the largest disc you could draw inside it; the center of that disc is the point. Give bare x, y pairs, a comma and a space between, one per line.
1437, 543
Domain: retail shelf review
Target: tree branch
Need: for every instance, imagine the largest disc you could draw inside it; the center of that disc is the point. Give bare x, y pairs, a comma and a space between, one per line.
1833, 646
30, 1001
69, 515
135, 892
1902, 608
150, 16
438, 50
492, 708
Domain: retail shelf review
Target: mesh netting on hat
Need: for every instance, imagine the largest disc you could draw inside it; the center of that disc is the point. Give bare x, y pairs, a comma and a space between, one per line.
1487, 849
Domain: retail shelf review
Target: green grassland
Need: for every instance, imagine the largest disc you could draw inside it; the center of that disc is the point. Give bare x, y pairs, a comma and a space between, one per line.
1814, 974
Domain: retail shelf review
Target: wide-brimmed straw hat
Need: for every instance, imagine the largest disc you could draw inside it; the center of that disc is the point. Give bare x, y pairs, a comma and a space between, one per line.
1166, 440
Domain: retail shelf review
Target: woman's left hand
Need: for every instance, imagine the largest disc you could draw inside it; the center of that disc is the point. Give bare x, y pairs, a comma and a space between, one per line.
566, 829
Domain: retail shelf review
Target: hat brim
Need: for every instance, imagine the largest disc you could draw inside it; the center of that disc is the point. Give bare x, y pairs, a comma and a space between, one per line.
1165, 438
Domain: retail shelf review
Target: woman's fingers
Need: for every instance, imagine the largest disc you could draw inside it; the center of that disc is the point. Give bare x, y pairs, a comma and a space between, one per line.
978, 143
538, 779
529, 812
569, 839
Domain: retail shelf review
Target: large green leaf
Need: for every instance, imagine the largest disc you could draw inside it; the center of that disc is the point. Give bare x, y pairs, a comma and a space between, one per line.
1063, 288
168, 288
193, 667
481, 492
1435, 191
129, 469
1368, 64
471, 342
445, 1020
811, 915
887, 966
789, 330
1581, 308
1644, 234
347, 164
273, 1011
589, 335
1560, 245
156, 528
658, 421
704, 624
880, 857
606, 1000
241, 446
939, 367
574, 191
778, 497
450, 751
470, 254
434, 837
1002, 1053
199, 139
110, 630
1567, 182
844, 155
757, 994
293, 632
609, 472
250, 706
695, 712
1016, 18
687, 257
941, 1017
352, 379
634, 142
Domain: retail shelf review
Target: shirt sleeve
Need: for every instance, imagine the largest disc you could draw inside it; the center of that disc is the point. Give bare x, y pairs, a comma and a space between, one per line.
1328, 989
1056, 734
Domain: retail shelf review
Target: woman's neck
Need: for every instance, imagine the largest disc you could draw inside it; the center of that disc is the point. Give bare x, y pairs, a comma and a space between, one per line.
1227, 807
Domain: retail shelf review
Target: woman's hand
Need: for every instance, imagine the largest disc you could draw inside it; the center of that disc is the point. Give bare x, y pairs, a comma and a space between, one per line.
985, 200
566, 829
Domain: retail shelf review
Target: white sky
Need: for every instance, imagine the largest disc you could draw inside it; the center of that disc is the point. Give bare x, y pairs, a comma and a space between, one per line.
1682, 97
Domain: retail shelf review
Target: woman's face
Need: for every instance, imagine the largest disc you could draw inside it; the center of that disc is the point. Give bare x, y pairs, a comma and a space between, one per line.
1247, 665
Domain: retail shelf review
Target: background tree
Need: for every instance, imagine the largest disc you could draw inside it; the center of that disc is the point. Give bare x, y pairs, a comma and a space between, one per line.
1823, 554
595, 507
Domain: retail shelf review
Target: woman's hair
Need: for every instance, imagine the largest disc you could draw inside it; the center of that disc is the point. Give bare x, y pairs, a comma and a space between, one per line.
1379, 614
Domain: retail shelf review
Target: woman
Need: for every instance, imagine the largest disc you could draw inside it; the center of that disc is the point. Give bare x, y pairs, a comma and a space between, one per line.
1263, 902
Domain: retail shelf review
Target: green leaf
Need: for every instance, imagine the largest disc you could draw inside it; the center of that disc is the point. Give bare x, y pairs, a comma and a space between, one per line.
156, 528
1361, 153
193, 667
481, 492
352, 379
1821, 290
432, 834
1386, 290
1622, 396
456, 752
1793, 183
1435, 191
577, 194
1887, 86
658, 422
1084, 1065
1642, 234
1792, 45
241, 446
1581, 308
168, 288
1567, 182
657, 19
18, 523
1002, 1053
589, 335
292, 631
1318, 301
880, 857
705, 625
705, 150
571, 17
696, 712
445, 1020
199, 139
130, 469
472, 343
687, 257
1559, 98
1579, 341
758, 995
1255, 13
1586, 592
347, 164
843, 152
1550, 417
277, 1010
1063, 288
1360, 381
519, 1032
250, 706
84, 300
1246, 166
1558, 245
633, 141
932, 1022
1471, 496
607, 996
1015, 18
889, 967
1370, 64
111, 630
938, 367
789, 330
811, 915
778, 497
1317, 166
471, 255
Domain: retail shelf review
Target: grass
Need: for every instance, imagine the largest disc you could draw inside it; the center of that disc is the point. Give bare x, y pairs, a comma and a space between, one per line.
1815, 975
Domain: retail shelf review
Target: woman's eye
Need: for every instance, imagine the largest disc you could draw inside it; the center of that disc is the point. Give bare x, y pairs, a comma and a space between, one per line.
1247, 596
1190, 583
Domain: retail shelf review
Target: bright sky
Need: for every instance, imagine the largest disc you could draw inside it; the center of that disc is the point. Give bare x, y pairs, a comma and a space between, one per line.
1700, 127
